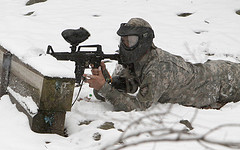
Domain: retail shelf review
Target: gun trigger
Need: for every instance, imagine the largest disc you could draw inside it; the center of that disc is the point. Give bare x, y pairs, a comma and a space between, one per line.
50, 49
84, 78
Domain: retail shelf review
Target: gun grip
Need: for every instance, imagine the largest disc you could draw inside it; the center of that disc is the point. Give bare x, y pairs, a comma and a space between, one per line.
96, 63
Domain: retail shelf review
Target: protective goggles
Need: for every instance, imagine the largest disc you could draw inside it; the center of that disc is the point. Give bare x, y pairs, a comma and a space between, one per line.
129, 41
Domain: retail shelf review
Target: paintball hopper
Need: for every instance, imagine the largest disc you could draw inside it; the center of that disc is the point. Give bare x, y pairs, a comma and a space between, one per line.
75, 36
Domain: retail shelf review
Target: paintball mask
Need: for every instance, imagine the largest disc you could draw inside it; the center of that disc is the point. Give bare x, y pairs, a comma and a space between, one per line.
135, 42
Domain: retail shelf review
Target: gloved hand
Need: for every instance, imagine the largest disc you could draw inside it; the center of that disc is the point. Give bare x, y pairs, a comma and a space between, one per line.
119, 83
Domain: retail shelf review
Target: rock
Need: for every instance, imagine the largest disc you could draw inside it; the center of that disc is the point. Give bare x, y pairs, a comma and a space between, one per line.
97, 136
107, 126
31, 2
238, 12
85, 122
186, 123
29, 13
184, 14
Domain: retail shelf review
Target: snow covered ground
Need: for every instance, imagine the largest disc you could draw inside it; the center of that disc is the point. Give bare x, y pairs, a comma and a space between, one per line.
212, 31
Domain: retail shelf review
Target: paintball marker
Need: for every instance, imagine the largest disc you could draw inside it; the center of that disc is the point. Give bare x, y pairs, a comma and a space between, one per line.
82, 59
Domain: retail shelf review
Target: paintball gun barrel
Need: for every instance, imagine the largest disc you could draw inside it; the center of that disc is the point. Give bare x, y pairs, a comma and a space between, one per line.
82, 59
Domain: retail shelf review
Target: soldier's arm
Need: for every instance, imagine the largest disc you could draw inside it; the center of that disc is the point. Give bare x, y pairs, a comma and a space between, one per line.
127, 102
119, 81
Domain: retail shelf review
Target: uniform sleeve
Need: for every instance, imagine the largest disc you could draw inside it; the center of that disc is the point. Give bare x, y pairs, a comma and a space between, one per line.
143, 98
123, 81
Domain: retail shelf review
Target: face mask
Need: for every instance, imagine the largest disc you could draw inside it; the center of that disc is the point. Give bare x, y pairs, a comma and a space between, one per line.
135, 42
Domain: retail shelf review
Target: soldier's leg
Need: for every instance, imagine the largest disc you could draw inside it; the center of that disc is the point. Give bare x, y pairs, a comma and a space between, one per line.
229, 75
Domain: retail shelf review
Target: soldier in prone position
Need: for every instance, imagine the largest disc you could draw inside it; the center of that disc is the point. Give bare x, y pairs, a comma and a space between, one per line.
155, 75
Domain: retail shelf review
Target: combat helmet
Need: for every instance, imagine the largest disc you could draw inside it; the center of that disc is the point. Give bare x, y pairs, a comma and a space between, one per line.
136, 39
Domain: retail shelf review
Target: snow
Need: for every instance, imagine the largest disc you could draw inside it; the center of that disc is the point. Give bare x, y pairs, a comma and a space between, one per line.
26, 102
213, 28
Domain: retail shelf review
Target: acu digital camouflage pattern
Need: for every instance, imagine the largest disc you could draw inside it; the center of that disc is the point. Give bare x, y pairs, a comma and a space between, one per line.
162, 77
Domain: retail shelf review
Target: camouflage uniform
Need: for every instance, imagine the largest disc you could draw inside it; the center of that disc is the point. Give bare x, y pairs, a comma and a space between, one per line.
162, 77
159, 76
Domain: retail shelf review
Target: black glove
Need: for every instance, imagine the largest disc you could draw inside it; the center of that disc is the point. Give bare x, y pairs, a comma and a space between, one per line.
119, 83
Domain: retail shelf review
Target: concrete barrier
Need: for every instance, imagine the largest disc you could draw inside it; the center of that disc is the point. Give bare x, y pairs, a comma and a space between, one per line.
43, 99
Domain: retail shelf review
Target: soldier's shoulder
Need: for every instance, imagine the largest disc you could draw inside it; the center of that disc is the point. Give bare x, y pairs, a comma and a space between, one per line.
156, 56
162, 53
174, 60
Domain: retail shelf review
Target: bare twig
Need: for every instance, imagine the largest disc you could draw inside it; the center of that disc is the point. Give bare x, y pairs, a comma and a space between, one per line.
166, 134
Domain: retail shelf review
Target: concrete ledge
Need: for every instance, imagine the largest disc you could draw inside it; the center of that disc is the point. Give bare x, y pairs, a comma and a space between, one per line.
52, 95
